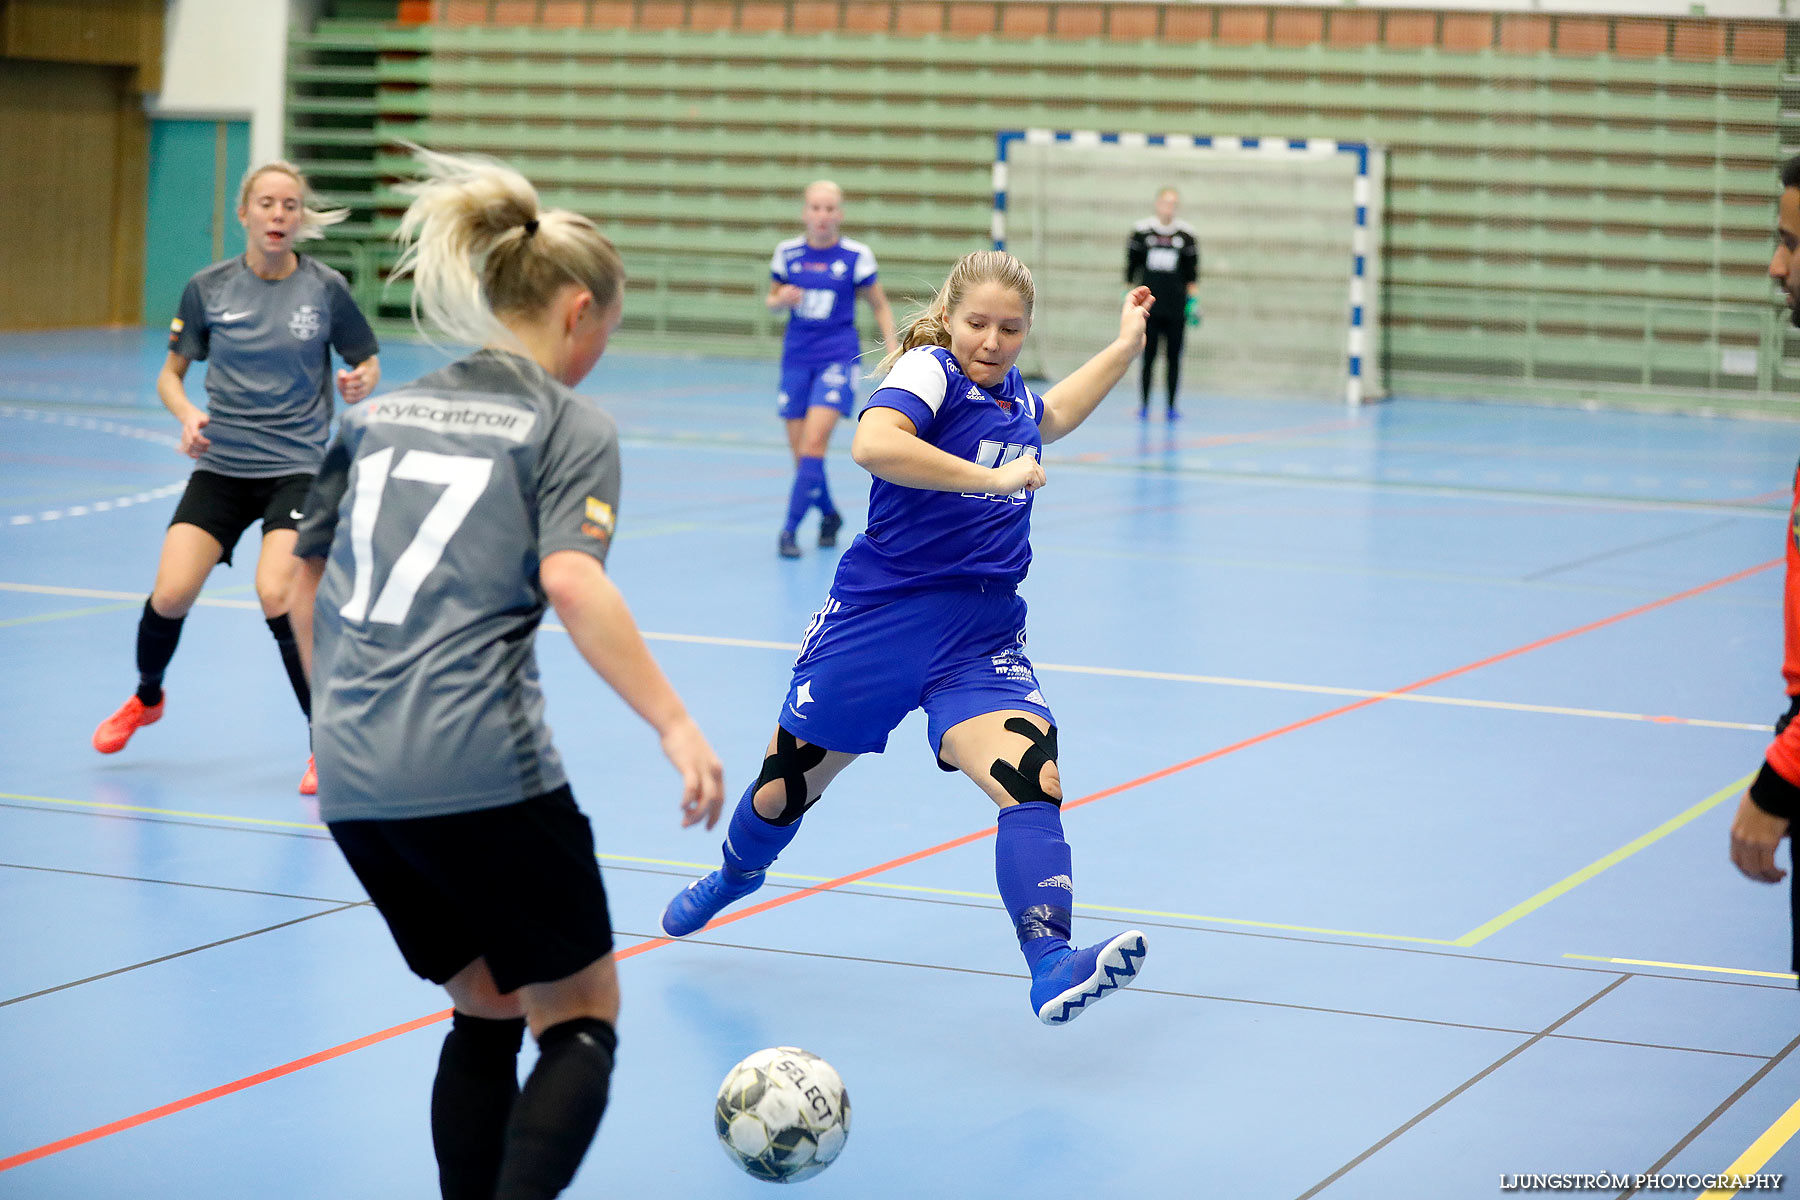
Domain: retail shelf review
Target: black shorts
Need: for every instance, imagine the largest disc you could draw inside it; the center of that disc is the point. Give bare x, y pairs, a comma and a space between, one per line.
516, 885
226, 505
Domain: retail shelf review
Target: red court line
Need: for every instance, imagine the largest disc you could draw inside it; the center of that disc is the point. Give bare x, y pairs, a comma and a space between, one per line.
1777, 494
300, 1064
248, 1081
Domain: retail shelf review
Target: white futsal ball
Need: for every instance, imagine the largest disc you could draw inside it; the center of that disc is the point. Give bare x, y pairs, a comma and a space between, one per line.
782, 1114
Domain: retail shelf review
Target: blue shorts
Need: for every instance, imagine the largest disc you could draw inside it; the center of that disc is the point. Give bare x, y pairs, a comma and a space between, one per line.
831, 385
862, 667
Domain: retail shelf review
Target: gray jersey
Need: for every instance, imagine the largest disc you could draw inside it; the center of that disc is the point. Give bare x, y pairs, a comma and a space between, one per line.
267, 344
433, 509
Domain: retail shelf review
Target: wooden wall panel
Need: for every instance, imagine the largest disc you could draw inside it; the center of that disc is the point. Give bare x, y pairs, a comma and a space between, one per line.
74, 141
126, 33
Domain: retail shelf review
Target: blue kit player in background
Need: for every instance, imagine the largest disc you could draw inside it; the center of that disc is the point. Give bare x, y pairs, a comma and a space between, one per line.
817, 278
925, 613
265, 323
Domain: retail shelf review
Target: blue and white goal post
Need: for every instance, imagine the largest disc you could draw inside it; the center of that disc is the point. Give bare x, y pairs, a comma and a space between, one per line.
1289, 233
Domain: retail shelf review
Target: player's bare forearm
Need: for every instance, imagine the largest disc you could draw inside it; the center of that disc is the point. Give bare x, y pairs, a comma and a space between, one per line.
594, 612
888, 447
301, 596
884, 312
1073, 400
169, 387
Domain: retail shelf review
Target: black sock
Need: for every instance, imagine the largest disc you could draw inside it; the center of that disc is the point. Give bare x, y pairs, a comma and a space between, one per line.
157, 636
558, 1112
477, 1082
290, 658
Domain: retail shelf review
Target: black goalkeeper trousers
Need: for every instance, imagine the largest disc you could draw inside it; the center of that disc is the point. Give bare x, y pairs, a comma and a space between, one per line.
1160, 330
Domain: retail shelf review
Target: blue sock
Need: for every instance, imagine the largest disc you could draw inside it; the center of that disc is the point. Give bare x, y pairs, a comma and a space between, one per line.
752, 842
1032, 864
809, 478
823, 500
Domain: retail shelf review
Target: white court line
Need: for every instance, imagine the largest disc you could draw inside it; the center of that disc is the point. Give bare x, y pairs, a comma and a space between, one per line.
1313, 689
101, 425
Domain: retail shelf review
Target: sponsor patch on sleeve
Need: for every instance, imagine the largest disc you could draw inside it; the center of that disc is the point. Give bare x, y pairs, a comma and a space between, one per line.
599, 521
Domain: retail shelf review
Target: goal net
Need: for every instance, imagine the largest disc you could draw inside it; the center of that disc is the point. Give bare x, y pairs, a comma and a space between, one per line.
1288, 231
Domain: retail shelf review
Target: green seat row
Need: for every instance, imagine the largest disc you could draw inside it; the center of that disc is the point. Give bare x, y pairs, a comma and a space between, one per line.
1654, 247
1574, 208
953, 157
983, 52
1603, 172
683, 78
1418, 204
823, 146
1600, 279
981, 118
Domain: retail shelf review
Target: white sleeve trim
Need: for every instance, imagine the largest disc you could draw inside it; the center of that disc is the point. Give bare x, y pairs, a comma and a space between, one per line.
865, 261
920, 373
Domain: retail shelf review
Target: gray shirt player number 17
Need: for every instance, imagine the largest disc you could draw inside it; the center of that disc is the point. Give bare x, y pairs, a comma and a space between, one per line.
434, 507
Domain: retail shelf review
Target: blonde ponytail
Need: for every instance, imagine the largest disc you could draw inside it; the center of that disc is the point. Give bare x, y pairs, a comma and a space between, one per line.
930, 325
479, 248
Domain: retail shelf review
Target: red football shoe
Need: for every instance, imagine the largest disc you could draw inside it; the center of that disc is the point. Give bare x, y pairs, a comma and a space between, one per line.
133, 715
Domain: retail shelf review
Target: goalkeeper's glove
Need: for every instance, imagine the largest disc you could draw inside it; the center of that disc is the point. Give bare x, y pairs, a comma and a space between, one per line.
1193, 312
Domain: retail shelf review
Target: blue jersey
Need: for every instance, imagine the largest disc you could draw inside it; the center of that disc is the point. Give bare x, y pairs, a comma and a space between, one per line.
919, 540
822, 327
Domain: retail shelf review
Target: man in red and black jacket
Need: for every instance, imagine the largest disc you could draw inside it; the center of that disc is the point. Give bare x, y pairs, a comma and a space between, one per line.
1773, 801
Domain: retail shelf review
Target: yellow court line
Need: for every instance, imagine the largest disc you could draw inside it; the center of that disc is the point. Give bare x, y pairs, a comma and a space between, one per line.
1673, 966
1311, 689
1570, 883
39, 589
164, 812
89, 611
1760, 1152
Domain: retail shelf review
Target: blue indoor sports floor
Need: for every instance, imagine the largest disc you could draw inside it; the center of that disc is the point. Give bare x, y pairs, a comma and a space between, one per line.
1410, 737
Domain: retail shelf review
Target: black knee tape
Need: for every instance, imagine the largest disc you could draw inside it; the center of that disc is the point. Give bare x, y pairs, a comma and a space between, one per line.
1025, 782
790, 763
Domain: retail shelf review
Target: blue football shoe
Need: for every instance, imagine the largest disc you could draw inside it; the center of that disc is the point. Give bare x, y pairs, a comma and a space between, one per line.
1063, 988
701, 900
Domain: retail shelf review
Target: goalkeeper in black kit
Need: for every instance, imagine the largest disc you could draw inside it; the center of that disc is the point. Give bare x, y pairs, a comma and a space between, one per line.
1164, 255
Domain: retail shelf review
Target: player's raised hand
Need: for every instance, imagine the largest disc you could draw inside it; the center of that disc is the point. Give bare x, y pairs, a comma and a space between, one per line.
1023, 474
1133, 316
702, 775
786, 296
